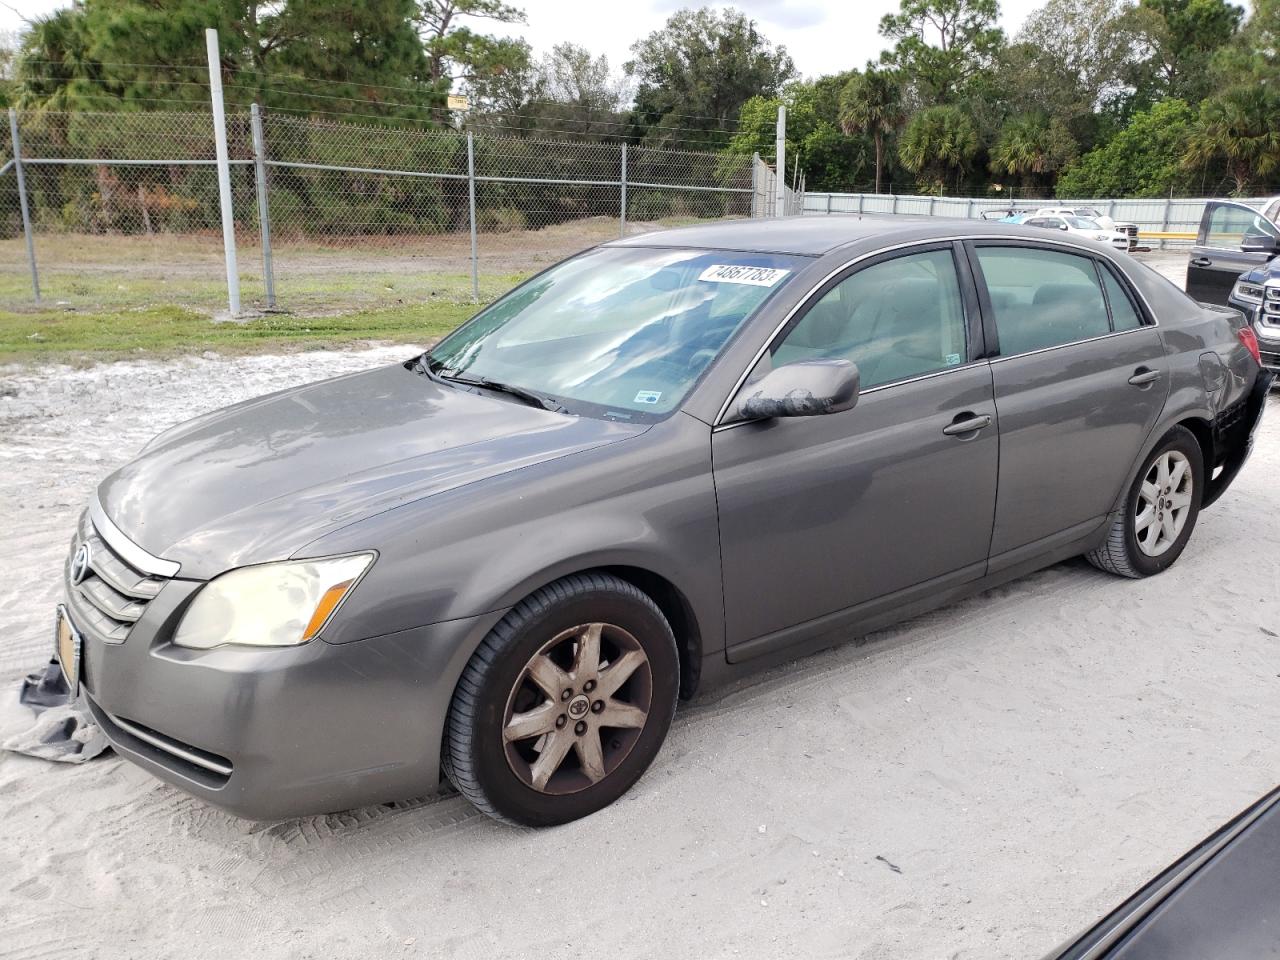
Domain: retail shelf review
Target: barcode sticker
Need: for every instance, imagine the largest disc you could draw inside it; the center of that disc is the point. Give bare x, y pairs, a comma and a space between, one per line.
731, 273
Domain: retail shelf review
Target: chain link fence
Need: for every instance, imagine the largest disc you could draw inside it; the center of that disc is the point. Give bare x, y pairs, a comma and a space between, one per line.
330, 216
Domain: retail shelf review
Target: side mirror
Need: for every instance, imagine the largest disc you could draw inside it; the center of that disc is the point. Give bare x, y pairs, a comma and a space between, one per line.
1063, 226
1263, 243
806, 388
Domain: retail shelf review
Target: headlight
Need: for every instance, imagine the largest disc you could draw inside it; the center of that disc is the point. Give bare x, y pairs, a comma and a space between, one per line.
1248, 292
272, 605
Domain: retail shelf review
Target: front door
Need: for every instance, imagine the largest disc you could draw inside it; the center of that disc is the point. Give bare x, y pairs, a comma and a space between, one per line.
1080, 379
1216, 260
821, 514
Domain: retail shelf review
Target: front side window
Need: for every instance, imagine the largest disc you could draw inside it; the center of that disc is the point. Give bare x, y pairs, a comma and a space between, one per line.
1229, 224
1042, 298
896, 319
620, 332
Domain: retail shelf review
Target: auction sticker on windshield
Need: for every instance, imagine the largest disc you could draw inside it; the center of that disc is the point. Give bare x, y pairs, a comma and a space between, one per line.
732, 273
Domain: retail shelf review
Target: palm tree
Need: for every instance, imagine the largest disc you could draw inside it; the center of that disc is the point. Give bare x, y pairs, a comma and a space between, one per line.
871, 102
938, 141
1033, 147
1242, 128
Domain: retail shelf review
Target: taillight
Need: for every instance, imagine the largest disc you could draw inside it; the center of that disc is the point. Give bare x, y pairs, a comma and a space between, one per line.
1250, 341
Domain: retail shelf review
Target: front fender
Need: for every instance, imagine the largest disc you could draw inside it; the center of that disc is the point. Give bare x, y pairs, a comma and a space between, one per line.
647, 502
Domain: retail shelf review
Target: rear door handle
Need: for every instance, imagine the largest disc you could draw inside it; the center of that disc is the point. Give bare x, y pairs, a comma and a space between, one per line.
1144, 376
1202, 262
970, 424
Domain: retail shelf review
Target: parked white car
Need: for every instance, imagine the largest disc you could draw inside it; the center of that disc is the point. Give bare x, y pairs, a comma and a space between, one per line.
1083, 228
1092, 213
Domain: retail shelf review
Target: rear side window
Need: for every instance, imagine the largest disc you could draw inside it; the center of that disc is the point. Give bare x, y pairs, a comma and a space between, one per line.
1124, 315
895, 319
1042, 298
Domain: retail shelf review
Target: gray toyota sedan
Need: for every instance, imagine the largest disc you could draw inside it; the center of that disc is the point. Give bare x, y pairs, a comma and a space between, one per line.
649, 468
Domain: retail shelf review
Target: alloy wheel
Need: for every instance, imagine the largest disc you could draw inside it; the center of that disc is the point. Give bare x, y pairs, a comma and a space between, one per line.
577, 708
1164, 503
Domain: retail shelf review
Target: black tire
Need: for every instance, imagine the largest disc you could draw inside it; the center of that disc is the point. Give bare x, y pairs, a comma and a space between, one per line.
1120, 552
475, 755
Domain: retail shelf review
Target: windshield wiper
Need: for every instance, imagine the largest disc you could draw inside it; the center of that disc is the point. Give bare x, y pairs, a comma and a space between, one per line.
520, 393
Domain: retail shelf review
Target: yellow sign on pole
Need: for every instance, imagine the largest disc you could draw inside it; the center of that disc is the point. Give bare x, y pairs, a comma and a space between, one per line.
459, 102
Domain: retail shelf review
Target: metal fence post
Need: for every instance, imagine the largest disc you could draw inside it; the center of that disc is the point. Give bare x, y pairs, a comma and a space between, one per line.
780, 183
755, 184
264, 212
22, 202
622, 229
224, 170
471, 202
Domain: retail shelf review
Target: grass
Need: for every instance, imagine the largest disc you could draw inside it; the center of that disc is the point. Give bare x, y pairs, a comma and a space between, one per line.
166, 330
108, 296
131, 297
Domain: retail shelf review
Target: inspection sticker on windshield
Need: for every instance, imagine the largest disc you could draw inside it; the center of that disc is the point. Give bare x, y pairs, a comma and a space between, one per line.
731, 273
648, 396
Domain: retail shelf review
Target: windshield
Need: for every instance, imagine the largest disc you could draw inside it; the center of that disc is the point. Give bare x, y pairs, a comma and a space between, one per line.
1087, 213
619, 331
1080, 223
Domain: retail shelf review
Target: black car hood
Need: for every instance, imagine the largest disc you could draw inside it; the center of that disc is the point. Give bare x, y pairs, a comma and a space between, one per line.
258, 481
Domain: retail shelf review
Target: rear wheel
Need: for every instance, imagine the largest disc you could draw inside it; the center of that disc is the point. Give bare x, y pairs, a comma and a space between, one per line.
565, 704
1160, 511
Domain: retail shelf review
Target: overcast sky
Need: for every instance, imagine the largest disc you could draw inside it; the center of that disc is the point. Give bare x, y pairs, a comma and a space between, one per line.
823, 36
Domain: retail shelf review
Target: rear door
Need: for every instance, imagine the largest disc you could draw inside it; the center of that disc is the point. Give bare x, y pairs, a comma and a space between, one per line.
1217, 260
1080, 378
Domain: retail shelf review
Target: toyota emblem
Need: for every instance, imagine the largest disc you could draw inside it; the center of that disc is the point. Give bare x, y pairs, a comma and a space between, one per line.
80, 564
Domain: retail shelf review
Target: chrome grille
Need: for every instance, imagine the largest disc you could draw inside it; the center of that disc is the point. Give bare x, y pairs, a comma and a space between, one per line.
112, 596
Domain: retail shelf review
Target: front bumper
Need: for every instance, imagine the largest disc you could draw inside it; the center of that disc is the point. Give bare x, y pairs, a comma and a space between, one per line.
272, 733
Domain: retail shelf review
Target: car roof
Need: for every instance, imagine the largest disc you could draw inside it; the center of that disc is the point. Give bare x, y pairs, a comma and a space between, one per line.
814, 236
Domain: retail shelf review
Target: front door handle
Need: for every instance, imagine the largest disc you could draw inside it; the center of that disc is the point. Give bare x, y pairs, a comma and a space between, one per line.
1202, 262
970, 424
1144, 376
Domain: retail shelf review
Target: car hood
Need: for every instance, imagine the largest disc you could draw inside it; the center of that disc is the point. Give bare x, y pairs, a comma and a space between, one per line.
258, 481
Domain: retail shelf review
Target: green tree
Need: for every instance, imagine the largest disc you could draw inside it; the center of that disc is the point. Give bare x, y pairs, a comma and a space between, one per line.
1145, 159
940, 46
1033, 147
694, 75
1240, 128
55, 67
871, 103
1253, 56
831, 160
8, 56
568, 91
938, 145
456, 53
143, 53
1074, 55
1179, 39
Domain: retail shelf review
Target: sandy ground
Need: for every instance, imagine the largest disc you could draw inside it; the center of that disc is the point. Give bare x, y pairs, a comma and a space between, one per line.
980, 782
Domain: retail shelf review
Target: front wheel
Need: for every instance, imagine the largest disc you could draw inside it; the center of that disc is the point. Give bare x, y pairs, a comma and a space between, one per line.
1160, 510
565, 703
